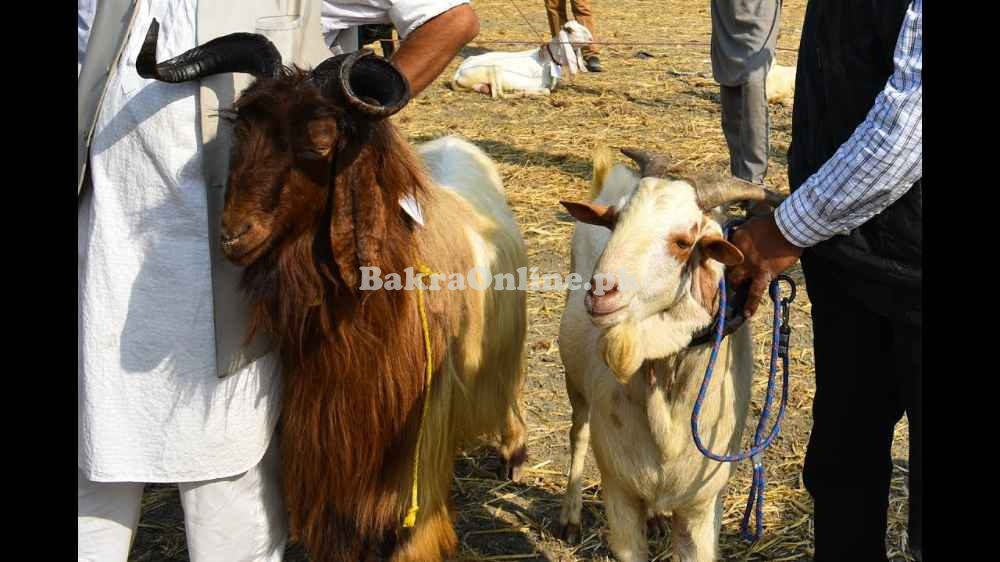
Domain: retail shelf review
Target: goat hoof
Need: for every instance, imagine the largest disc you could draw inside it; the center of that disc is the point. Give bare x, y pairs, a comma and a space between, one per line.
513, 468
514, 473
570, 532
658, 525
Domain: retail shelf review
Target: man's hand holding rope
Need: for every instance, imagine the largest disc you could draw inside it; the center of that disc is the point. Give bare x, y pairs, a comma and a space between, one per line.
766, 253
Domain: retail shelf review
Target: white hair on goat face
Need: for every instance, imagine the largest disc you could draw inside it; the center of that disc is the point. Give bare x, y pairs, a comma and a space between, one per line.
578, 33
655, 282
650, 243
663, 243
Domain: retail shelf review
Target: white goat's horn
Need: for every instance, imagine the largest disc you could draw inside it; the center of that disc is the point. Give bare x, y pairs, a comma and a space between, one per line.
651, 164
713, 191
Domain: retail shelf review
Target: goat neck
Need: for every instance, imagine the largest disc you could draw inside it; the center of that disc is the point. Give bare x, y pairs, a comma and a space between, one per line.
669, 386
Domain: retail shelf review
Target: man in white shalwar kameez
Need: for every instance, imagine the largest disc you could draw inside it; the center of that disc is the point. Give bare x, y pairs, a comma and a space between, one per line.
151, 406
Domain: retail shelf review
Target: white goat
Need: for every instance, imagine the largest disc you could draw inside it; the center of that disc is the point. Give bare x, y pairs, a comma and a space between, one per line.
638, 391
534, 72
780, 84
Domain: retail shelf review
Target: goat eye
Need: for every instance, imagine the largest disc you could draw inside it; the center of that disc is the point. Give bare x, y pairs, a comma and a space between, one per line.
682, 244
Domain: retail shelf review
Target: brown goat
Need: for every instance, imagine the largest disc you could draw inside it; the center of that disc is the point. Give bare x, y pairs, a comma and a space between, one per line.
315, 182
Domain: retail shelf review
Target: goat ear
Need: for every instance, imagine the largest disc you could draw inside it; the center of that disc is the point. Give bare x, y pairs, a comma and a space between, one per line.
342, 231
720, 250
592, 213
568, 52
358, 222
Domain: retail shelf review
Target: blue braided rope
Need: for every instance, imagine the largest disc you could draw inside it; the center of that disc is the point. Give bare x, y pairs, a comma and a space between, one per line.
755, 501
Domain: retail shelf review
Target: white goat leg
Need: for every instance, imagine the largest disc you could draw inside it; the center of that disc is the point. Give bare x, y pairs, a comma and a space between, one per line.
627, 522
496, 84
579, 440
696, 531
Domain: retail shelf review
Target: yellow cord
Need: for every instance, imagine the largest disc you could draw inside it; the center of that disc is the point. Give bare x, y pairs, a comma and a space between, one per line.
411, 516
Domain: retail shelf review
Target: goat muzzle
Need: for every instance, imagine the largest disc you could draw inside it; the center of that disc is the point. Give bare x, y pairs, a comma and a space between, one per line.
367, 84
237, 52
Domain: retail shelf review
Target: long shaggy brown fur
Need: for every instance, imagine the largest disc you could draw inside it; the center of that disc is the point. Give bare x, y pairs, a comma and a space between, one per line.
353, 367
321, 187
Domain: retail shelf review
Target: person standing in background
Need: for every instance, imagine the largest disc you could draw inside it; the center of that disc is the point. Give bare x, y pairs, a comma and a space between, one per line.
744, 34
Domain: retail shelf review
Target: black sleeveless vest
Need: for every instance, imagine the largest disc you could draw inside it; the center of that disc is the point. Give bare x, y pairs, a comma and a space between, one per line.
845, 60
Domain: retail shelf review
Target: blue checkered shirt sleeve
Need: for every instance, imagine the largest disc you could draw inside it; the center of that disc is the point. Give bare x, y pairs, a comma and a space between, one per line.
878, 163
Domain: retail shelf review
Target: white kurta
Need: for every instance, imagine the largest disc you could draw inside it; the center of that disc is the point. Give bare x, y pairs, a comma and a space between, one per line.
84, 20
339, 17
151, 408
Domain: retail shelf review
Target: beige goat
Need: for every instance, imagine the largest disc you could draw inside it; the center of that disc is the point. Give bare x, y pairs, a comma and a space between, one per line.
780, 85
654, 245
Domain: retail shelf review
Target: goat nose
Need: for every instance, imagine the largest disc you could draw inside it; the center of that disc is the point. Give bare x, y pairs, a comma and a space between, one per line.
231, 234
609, 283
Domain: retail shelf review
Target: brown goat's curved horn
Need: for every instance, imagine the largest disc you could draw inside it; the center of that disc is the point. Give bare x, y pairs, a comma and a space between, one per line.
237, 52
368, 84
651, 164
713, 191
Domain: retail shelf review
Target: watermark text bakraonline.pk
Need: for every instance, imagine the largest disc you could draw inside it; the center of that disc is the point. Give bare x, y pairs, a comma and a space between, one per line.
480, 278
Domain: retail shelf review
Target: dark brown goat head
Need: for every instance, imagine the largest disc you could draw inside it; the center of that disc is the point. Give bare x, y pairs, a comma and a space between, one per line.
285, 135
307, 145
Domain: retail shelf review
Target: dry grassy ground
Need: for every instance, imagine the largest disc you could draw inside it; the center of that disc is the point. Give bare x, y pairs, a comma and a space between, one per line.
668, 102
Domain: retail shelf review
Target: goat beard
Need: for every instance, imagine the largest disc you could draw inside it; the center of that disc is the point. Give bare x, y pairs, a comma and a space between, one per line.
621, 349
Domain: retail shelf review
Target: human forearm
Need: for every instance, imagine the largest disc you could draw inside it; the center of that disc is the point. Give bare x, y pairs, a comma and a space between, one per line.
876, 165
432, 46
857, 183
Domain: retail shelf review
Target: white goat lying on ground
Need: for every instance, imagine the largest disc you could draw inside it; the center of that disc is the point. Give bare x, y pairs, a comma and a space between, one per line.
780, 85
533, 72
638, 391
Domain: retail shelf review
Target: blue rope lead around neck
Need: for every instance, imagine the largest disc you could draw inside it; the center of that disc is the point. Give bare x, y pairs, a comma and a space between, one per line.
780, 335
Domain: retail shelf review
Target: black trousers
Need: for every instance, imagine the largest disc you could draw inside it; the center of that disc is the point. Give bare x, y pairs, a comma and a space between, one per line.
868, 374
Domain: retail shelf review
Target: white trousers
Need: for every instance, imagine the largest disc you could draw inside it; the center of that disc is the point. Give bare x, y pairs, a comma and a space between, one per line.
235, 519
